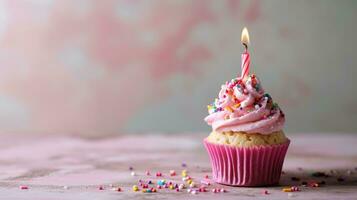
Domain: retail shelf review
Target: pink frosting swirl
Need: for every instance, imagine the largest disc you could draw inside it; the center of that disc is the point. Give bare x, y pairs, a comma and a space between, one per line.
242, 105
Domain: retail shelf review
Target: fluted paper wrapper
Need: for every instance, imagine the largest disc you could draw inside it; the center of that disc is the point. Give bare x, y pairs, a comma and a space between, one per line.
246, 166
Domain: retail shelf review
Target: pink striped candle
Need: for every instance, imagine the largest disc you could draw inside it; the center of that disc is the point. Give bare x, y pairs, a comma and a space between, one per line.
245, 56
245, 64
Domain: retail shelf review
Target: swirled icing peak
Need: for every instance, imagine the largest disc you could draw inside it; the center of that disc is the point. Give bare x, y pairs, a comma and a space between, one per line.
242, 105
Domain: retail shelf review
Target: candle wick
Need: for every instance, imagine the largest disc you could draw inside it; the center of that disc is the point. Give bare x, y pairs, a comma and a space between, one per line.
245, 46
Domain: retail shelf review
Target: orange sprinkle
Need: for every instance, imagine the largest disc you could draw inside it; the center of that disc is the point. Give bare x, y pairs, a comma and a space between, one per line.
229, 109
237, 105
288, 189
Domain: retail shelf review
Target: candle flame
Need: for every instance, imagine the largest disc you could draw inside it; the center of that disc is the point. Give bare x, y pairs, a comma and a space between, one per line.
245, 36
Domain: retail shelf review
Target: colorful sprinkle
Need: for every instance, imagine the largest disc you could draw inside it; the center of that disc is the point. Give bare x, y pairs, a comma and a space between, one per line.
192, 185
265, 192
228, 108
313, 184
206, 181
172, 173
135, 188
291, 195
24, 187
295, 188
202, 189
287, 189
161, 182
181, 186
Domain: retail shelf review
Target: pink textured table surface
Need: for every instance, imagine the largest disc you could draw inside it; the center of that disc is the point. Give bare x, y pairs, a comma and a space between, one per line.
48, 163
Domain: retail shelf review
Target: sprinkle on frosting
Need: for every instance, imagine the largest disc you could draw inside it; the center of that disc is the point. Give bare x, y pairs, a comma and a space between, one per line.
242, 105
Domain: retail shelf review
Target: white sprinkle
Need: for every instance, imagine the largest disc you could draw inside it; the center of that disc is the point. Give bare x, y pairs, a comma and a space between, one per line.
192, 185
65, 187
133, 173
194, 192
181, 186
189, 190
291, 195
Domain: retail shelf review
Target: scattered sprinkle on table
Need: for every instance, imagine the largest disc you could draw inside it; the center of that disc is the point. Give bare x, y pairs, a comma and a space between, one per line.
24, 187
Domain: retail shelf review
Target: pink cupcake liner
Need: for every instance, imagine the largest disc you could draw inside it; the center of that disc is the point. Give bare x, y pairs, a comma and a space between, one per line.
246, 166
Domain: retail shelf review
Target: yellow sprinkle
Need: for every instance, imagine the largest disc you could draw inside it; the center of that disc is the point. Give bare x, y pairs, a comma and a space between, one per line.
135, 188
189, 181
143, 190
287, 189
171, 187
184, 173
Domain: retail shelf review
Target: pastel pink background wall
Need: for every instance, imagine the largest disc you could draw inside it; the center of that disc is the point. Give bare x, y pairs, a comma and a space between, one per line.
108, 67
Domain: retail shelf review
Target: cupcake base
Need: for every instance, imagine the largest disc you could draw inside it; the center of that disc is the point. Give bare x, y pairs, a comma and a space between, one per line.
246, 166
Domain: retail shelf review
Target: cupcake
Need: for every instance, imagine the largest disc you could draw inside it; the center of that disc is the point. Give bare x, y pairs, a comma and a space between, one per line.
247, 145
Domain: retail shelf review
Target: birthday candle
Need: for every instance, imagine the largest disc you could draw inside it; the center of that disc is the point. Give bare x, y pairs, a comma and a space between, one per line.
245, 56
